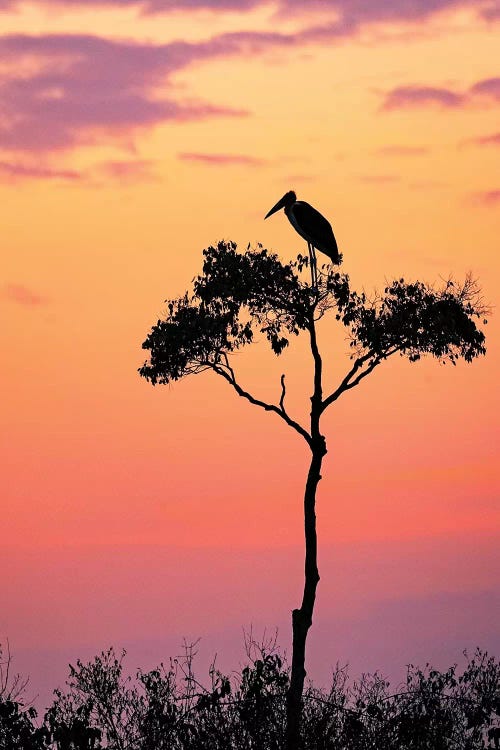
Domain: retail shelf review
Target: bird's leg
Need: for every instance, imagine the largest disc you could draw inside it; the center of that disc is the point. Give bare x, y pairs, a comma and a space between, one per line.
314, 275
311, 263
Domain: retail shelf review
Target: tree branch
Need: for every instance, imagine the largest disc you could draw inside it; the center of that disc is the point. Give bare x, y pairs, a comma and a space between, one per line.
283, 393
347, 383
228, 374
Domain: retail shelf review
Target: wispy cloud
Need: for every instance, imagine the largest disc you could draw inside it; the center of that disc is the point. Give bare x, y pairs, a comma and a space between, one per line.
351, 12
489, 88
21, 295
403, 97
487, 197
136, 170
493, 139
13, 171
417, 95
225, 160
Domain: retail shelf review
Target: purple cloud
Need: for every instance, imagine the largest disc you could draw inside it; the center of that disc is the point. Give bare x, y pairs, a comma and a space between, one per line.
86, 88
352, 13
21, 295
489, 87
222, 159
403, 97
83, 89
416, 95
491, 12
10, 172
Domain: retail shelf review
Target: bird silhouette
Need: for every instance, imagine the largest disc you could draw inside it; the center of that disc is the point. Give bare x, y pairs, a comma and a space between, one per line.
311, 225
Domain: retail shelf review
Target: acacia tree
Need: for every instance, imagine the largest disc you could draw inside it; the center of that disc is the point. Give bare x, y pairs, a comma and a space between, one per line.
241, 295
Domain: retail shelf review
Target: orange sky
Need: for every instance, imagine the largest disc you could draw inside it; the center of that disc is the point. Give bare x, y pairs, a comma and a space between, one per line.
131, 138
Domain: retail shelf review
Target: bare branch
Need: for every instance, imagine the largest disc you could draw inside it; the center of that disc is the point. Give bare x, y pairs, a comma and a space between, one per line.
11, 687
227, 373
363, 374
347, 383
343, 385
283, 393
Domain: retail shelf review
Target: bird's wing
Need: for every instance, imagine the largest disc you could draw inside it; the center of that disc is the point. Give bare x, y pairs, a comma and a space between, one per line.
315, 228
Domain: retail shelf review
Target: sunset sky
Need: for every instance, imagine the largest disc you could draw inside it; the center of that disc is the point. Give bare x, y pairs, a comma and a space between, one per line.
134, 134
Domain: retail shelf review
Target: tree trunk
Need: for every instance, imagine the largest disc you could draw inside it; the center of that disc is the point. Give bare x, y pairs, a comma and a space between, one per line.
302, 618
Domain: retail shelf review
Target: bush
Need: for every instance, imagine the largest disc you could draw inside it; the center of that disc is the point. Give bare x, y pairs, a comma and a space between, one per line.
169, 707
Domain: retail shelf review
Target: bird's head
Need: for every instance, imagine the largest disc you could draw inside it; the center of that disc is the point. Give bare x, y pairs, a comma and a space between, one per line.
284, 202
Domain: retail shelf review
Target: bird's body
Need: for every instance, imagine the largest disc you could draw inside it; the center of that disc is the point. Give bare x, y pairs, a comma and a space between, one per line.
312, 226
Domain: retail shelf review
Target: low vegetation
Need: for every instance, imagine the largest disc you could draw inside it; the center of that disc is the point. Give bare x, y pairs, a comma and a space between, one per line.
169, 708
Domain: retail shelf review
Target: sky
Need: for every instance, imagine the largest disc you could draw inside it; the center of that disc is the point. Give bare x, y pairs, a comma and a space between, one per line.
135, 134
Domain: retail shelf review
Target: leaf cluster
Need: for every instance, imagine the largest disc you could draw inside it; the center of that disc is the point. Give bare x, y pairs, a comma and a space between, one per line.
237, 296
415, 319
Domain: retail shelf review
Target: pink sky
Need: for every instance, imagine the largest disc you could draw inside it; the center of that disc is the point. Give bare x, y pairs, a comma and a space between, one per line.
132, 136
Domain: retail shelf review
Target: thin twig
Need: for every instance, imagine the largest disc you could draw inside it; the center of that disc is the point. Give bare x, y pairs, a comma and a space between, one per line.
283, 392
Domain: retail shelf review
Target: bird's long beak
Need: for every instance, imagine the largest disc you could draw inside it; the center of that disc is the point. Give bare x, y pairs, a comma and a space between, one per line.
280, 204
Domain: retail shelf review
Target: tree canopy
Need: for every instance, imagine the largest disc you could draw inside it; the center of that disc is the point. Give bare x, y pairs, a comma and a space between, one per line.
240, 295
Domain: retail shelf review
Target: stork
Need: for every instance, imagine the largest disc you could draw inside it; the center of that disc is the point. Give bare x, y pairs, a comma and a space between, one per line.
312, 226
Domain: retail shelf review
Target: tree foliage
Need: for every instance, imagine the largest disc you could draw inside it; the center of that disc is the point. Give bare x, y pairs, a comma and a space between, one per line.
241, 295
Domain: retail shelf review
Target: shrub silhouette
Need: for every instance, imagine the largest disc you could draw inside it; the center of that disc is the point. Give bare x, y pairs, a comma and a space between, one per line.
169, 707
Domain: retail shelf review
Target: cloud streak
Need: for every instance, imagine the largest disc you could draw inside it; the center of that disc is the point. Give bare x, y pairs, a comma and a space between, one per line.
11, 172
21, 295
124, 171
483, 140
351, 12
224, 160
403, 97
417, 95
489, 88
487, 198
137, 170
